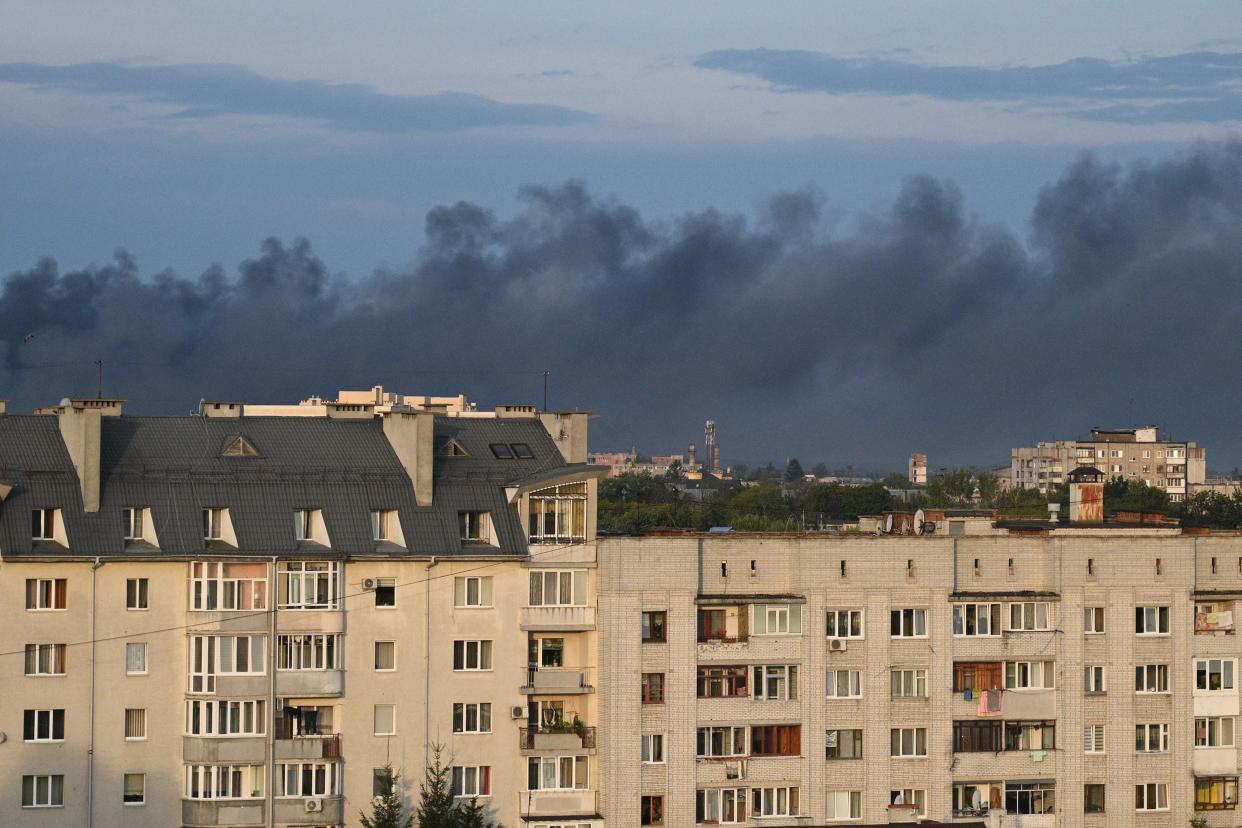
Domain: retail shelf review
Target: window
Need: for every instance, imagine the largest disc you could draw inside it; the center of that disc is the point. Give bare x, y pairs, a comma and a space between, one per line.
136, 593
722, 682
720, 741
476, 527
385, 592
1154, 796
213, 524
551, 652
776, 740
1151, 678
1029, 615
305, 720
654, 627
558, 514
43, 726
135, 659
1151, 620
1030, 797
228, 655
976, 619
1215, 615
45, 659
558, 588
908, 684
501, 451
1216, 793
381, 782
971, 736
1151, 738
135, 789
382, 523
1093, 738
475, 717
908, 623
522, 451
1021, 675
472, 655
1093, 620
309, 585
908, 741
720, 806
295, 779
385, 656
781, 801
43, 524
1030, 735
1093, 678
775, 682
303, 522
308, 651
843, 744
135, 723
1213, 675
213, 717
43, 791
652, 810
776, 619
472, 591
224, 781
652, 752
132, 519
384, 719
653, 687
1214, 731
843, 805
975, 799
228, 586
915, 797
843, 684
845, 623
977, 675
545, 773
46, 593
472, 780
1093, 798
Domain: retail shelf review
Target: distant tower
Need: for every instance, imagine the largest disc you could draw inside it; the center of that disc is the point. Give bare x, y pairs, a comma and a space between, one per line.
710, 448
690, 453
917, 471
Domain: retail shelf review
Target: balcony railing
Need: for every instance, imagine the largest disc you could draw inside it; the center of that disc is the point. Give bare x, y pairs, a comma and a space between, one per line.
556, 680
305, 746
557, 737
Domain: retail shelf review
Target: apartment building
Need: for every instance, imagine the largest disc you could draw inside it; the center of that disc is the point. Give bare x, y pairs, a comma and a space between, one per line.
1016, 675
235, 620
1131, 453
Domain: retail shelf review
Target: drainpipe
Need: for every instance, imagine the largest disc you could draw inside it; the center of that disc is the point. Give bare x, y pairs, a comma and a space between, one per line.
270, 788
90, 750
427, 666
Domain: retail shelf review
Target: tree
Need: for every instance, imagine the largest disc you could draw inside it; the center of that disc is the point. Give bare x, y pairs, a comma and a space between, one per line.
435, 795
793, 471
470, 814
387, 810
894, 480
820, 470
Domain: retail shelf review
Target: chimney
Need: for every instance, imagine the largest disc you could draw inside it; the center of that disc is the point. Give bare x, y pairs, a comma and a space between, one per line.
1086, 495
569, 432
80, 427
219, 408
350, 411
4, 407
411, 435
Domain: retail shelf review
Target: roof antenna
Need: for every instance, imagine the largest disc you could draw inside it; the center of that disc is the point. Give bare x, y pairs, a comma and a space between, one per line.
546, 372
99, 387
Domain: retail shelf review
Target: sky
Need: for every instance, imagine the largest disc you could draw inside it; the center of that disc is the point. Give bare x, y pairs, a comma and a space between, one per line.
846, 231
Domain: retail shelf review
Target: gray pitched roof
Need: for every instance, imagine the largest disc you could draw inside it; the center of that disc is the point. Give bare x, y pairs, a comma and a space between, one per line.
346, 468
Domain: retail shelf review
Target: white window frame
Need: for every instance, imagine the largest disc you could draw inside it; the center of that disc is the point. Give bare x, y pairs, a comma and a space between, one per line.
376, 653
731, 736
1157, 732
1095, 678
137, 594
293, 578
211, 591
482, 660
566, 773
48, 519
917, 626
463, 710
216, 782
213, 523
133, 519
226, 718
1094, 620
475, 526
784, 680
125, 724
327, 785
836, 618
852, 801
912, 796
566, 506
712, 802
1227, 668
1151, 796
132, 647
52, 656
309, 652
54, 790
1160, 672
774, 801
913, 678
1217, 731
904, 751
375, 719
1093, 739
482, 588
569, 586
45, 722
852, 680
651, 749
1030, 675
991, 612
45, 593
471, 781
1159, 615
777, 619
138, 803
1026, 614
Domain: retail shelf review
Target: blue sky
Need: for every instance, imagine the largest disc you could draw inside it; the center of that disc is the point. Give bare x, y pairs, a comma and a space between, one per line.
735, 164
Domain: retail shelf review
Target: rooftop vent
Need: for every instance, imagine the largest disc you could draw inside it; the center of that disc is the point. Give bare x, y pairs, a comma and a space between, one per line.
218, 408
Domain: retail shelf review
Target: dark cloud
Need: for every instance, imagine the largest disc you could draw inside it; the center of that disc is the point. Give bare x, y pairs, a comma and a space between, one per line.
1196, 86
219, 89
918, 327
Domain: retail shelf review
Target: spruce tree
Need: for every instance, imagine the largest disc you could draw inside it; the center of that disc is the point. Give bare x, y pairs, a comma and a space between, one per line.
435, 795
387, 811
470, 814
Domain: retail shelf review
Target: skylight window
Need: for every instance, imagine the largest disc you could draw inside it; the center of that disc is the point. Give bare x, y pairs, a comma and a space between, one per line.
522, 451
502, 451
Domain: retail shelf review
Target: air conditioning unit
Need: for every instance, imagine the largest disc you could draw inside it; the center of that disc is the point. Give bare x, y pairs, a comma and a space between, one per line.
837, 645
368, 583
517, 711
314, 806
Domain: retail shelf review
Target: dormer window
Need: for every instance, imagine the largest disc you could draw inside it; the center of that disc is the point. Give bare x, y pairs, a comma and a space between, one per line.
43, 524
381, 524
475, 527
133, 523
213, 524
239, 446
452, 448
502, 451
302, 524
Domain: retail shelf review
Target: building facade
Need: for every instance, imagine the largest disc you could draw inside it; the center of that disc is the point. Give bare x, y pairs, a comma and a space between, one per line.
1132, 454
229, 620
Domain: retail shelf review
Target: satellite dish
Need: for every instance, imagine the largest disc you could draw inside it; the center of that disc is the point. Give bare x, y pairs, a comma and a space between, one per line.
919, 520
888, 523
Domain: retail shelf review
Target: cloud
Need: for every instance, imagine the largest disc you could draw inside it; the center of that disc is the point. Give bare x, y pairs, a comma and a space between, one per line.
1196, 86
920, 326
220, 89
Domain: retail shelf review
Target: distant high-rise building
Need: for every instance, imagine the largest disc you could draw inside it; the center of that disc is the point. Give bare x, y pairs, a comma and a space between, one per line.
917, 469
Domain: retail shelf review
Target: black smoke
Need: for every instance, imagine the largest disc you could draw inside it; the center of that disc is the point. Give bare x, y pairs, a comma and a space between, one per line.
923, 327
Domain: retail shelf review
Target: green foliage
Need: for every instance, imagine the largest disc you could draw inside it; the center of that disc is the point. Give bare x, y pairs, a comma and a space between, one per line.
435, 795
1211, 509
639, 487
765, 502
896, 481
470, 814
793, 471
1133, 496
388, 811
832, 501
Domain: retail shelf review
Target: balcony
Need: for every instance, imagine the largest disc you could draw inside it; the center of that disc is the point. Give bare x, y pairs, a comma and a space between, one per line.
231, 812
224, 749
556, 681
310, 682
303, 810
556, 804
565, 619
304, 748
568, 738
